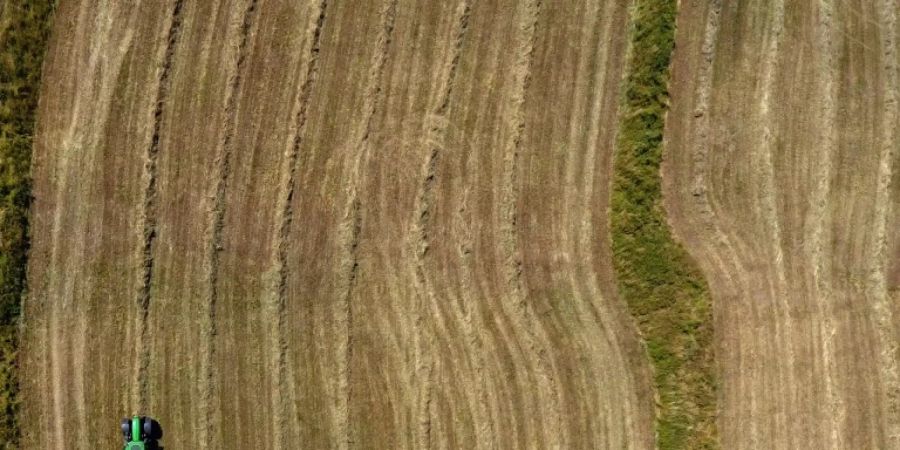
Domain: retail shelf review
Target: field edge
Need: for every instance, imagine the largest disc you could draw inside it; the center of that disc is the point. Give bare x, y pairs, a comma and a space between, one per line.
24, 32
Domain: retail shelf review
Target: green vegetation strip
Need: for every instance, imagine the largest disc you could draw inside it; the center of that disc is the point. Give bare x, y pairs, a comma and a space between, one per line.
24, 28
665, 291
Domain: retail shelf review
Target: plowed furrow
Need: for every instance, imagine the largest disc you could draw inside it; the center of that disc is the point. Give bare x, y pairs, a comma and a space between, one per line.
283, 396
351, 227
148, 218
434, 130
534, 336
350, 233
208, 323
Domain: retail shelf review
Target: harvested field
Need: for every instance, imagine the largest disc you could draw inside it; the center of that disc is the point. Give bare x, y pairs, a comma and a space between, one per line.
393, 224
376, 224
781, 178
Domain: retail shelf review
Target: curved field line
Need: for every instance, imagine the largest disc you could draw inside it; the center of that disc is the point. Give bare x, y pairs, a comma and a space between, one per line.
148, 214
884, 320
283, 398
435, 130
351, 225
53, 386
220, 174
521, 312
585, 178
768, 205
825, 31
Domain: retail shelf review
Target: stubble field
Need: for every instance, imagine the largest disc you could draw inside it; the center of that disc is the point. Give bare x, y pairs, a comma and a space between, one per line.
387, 224
344, 224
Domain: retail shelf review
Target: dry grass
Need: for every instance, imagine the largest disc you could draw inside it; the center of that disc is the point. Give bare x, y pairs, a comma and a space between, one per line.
23, 37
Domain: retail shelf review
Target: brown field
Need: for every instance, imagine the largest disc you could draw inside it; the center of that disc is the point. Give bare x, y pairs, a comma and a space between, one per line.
273, 224
782, 179
368, 224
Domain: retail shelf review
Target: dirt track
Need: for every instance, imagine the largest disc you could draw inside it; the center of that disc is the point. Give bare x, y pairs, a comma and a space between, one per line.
346, 224
782, 178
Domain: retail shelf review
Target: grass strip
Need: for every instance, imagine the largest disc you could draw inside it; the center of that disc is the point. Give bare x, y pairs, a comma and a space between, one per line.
24, 29
662, 285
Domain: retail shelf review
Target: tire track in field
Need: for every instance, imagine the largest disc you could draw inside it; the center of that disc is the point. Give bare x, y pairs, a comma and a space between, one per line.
349, 234
148, 216
721, 247
73, 145
424, 366
688, 191
820, 233
702, 132
471, 323
220, 174
460, 294
460, 394
478, 258
351, 225
878, 289
283, 397
699, 182
53, 385
435, 132
768, 204
535, 334
81, 144
586, 172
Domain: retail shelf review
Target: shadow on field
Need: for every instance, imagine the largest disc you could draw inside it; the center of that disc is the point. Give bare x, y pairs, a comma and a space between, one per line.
156, 434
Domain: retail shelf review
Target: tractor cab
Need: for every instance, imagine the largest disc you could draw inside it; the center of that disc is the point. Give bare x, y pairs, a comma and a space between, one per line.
138, 433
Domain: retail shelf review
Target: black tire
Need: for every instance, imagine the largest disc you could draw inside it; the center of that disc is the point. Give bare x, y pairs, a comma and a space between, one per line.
146, 428
126, 429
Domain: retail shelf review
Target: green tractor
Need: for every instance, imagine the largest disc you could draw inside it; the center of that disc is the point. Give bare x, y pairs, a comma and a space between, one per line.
140, 433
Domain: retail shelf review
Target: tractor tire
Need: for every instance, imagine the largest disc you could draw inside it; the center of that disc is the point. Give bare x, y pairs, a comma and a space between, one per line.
126, 429
146, 428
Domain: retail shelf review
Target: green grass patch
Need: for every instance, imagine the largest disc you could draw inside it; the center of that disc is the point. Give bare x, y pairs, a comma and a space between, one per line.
663, 287
24, 28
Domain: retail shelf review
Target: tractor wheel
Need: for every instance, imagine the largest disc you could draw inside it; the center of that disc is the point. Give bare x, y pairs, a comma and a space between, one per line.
126, 429
146, 427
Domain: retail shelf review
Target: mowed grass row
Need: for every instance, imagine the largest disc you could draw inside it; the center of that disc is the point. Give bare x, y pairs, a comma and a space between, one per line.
663, 287
24, 29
